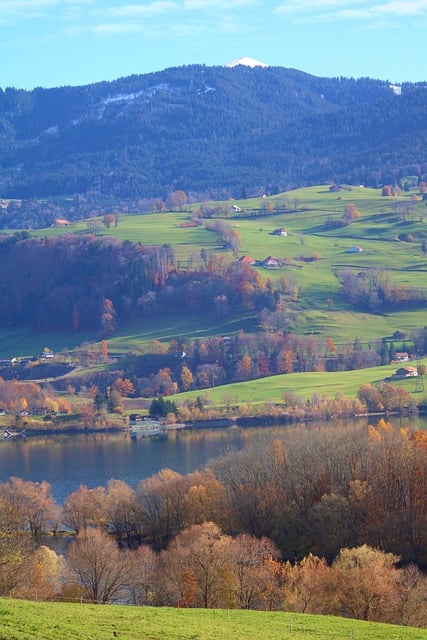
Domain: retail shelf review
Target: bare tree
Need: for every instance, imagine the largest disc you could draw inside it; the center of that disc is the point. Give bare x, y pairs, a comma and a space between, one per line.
100, 567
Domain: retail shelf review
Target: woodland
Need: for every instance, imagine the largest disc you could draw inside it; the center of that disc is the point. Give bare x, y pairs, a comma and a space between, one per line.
324, 521
213, 132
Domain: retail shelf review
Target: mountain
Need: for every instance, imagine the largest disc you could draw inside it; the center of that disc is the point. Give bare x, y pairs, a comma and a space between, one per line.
211, 131
246, 62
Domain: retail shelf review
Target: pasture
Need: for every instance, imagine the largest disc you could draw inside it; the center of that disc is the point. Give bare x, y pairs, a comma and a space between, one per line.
313, 254
21, 620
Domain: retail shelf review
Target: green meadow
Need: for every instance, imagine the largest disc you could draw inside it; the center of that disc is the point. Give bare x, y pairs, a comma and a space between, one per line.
270, 390
319, 309
21, 620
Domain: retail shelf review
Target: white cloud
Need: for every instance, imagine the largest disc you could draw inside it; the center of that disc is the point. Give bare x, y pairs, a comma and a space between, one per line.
116, 28
320, 10
215, 5
140, 10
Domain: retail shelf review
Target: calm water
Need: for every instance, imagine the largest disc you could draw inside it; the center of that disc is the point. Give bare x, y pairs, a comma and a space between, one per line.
68, 461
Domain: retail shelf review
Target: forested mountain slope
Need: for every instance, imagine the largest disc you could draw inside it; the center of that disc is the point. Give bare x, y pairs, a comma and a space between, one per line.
212, 131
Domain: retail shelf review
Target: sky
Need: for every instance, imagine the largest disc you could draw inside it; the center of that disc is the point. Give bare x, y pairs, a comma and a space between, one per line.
49, 43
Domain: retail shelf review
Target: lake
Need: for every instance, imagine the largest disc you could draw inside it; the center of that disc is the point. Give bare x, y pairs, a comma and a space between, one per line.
67, 461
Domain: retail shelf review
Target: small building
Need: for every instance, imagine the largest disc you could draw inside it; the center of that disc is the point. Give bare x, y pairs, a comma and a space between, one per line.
135, 417
62, 222
280, 232
235, 208
246, 260
355, 249
271, 262
401, 356
46, 355
406, 372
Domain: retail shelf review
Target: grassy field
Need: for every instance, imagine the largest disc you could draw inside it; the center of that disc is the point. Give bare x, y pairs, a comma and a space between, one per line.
304, 385
20, 620
320, 308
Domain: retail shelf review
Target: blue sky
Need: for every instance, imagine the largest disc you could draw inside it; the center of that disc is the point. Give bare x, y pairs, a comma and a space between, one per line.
50, 43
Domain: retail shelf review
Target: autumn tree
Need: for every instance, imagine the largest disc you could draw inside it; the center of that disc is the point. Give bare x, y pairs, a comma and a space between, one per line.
108, 219
33, 505
108, 316
195, 564
365, 580
40, 575
124, 387
254, 569
13, 546
351, 213
306, 585
99, 566
121, 509
186, 378
144, 581
85, 508
163, 506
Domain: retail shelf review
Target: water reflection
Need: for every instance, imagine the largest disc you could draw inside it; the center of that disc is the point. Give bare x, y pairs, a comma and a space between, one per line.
67, 461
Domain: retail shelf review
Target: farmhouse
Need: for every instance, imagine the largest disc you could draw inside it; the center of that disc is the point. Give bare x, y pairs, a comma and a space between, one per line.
406, 372
271, 262
62, 222
280, 232
235, 208
401, 356
246, 260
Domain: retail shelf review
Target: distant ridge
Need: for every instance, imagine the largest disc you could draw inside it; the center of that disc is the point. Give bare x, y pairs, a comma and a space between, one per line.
246, 62
213, 132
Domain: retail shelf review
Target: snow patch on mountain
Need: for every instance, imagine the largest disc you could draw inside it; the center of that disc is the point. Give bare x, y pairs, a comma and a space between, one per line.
246, 62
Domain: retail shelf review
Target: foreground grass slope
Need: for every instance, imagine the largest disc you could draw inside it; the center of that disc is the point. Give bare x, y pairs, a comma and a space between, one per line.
20, 620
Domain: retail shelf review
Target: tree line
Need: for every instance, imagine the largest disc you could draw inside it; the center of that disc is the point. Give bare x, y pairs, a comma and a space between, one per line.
328, 520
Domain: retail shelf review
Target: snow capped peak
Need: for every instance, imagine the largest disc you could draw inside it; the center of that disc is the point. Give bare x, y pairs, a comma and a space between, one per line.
246, 62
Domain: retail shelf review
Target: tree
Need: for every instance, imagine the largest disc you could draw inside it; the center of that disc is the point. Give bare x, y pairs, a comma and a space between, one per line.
108, 316
254, 569
163, 506
124, 386
13, 548
160, 407
121, 509
99, 566
306, 585
32, 504
365, 583
108, 220
85, 508
351, 213
144, 579
186, 378
195, 564
40, 575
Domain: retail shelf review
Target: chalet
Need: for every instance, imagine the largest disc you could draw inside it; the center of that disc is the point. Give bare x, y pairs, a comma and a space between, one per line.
235, 208
401, 356
246, 260
406, 372
280, 232
62, 222
271, 262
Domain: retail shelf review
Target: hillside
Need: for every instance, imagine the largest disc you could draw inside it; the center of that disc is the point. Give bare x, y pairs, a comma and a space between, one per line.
210, 131
49, 621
